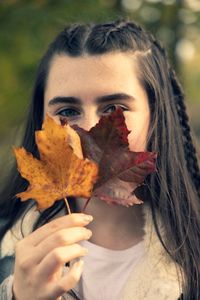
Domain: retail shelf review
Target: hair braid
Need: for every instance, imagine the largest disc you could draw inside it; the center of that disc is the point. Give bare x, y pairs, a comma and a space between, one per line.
189, 149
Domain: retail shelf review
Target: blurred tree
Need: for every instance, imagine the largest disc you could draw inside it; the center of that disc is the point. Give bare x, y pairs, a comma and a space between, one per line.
27, 26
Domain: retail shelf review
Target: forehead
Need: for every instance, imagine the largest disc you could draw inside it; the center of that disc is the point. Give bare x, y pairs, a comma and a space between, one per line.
118, 60
107, 72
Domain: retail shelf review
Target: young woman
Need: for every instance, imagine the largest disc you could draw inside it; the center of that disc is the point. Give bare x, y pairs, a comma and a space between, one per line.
149, 251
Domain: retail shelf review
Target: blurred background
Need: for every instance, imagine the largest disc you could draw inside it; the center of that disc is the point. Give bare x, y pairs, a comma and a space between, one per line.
27, 27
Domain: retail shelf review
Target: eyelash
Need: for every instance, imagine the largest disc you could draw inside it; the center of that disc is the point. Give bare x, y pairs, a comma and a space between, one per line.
67, 109
78, 113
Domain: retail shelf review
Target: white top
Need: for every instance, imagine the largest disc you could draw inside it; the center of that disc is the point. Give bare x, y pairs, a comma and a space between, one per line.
106, 271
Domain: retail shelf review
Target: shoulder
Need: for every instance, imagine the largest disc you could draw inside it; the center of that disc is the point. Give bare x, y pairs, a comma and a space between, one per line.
20, 229
10, 239
156, 275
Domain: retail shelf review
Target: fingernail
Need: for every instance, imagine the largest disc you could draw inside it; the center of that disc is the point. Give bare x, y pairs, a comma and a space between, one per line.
87, 218
89, 234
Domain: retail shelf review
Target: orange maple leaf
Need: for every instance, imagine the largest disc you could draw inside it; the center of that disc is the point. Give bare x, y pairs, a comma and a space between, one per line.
61, 170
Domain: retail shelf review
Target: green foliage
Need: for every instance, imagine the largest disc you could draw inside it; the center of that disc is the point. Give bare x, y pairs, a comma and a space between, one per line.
26, 29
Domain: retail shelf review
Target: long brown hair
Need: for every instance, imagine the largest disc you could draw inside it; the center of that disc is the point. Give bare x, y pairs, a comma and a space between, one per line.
174, 190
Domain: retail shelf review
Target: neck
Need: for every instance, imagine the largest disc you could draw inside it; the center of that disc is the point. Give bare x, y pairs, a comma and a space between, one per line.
114, 226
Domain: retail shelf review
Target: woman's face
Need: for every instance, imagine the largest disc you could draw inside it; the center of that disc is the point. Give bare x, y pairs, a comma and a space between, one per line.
82, 89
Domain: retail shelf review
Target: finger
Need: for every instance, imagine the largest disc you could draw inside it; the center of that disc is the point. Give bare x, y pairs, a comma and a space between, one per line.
57, 258
72, 220
68, 281
59, 239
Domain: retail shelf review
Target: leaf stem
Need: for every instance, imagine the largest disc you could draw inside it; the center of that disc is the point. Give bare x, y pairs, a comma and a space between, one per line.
67, 205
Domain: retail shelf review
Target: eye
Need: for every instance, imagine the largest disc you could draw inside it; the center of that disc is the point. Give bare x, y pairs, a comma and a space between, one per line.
109, 109
68, 112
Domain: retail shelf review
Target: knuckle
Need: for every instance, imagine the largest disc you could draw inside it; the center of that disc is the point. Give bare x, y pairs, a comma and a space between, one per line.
24, 265
61, 238
56, 256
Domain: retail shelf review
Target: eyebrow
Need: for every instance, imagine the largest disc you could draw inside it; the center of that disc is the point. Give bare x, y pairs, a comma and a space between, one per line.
100, 99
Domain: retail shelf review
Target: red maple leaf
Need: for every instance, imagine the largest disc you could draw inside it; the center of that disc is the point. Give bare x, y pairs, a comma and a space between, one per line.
121, 171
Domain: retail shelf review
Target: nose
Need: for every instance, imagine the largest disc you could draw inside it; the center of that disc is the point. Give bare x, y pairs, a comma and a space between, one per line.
89, 121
